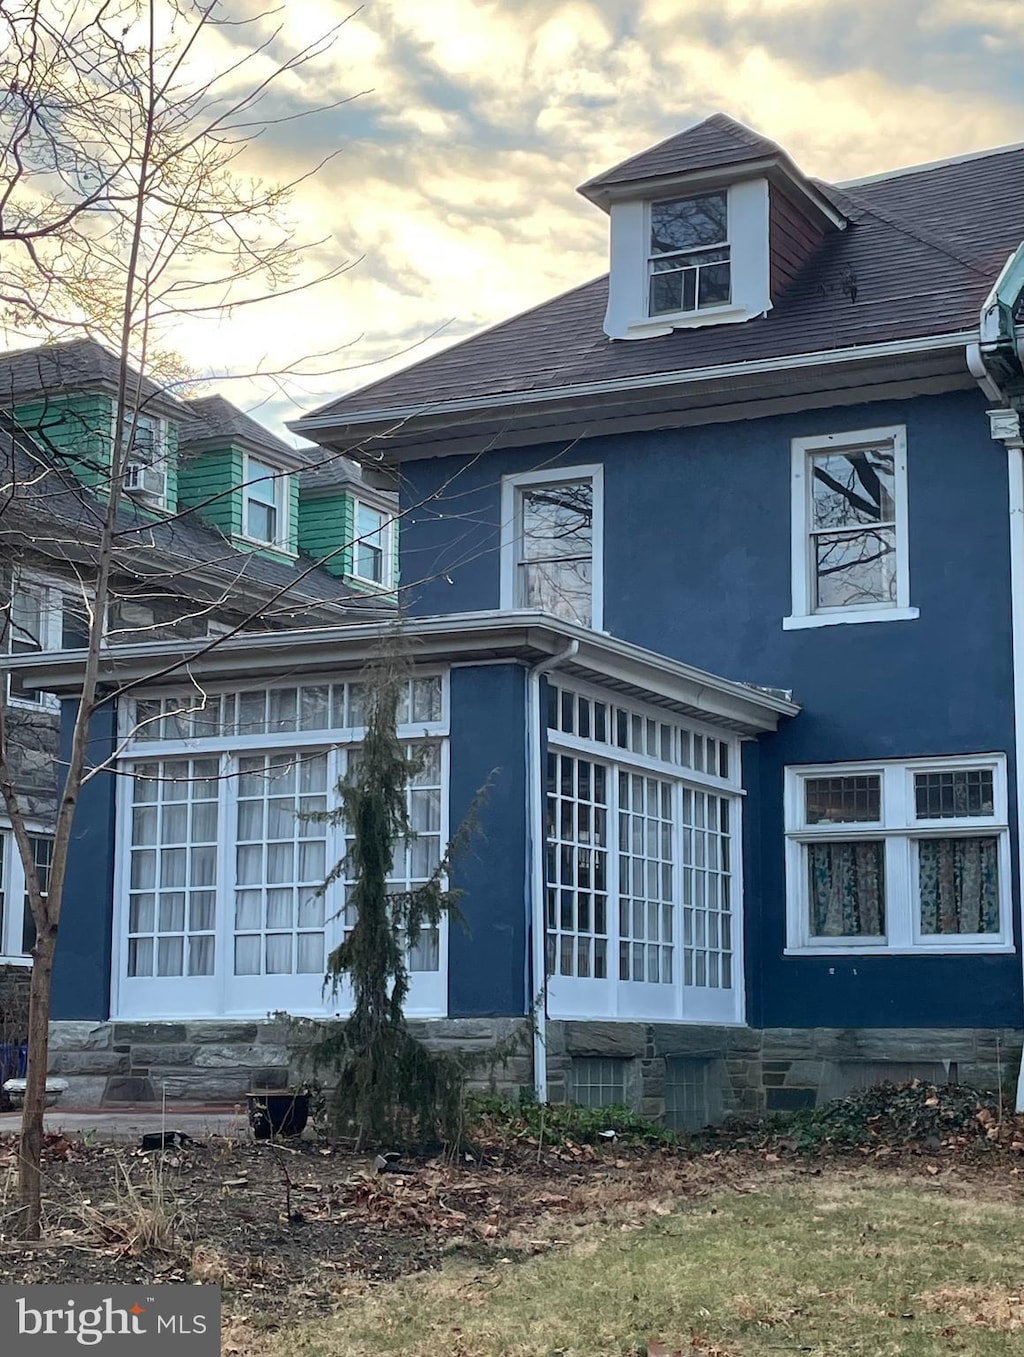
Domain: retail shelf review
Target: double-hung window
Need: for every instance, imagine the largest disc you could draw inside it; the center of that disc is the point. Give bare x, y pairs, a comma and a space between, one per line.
371, 548
145, 466
552, 543
850, 558
899, 856
266, 503
17, 927
41, 616
688, 266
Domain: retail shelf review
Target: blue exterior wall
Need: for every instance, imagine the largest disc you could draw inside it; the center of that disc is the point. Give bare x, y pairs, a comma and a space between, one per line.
697, 566
81, 970
487, 952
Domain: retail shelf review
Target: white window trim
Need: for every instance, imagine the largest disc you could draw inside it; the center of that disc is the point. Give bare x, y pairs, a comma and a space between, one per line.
387, 528
160, 457
510, 487
803, 576
12, 884
684, 313
899, 830
56, 593
128, 1000
283, 504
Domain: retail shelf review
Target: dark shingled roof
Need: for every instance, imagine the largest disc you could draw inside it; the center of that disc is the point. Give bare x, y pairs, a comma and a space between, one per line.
47, 506
918, 258
718, 140
68, 366
215, 417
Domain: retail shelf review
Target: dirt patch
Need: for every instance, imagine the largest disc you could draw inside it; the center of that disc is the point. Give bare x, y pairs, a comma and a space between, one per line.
289, 1232
984, 1307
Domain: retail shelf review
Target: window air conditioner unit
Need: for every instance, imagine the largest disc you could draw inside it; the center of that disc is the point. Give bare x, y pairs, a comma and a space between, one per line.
149, 482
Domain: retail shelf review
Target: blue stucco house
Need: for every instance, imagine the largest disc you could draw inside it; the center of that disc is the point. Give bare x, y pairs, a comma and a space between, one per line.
715, 566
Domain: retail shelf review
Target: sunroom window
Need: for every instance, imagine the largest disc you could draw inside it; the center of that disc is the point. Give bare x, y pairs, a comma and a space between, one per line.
688, 265
899, 856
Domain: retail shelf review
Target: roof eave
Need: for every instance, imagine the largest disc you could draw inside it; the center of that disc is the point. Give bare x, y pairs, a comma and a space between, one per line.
528, 637
779, 169
369, 424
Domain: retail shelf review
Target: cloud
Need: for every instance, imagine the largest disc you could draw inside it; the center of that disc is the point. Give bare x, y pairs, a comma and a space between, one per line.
452, 178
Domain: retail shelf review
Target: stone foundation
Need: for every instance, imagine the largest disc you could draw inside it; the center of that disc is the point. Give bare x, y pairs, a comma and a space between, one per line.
667, 1071
746, 1072
218, 1061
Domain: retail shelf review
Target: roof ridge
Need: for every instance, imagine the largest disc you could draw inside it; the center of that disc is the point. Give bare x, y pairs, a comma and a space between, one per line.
919, 233
927, 166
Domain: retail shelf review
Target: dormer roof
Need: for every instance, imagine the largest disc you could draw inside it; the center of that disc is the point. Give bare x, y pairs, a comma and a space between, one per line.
74, 365
213, 419
718, 150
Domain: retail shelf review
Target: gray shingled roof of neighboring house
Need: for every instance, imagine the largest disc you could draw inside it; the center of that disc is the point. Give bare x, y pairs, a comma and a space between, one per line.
718, 140
57, 512
68, 366
215, 417
918, 258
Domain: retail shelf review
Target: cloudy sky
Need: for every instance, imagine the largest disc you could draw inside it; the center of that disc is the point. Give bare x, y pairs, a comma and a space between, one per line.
452, 192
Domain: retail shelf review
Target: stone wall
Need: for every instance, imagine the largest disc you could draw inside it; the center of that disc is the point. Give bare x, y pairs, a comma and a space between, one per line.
740, 1071
748, 1072
217, 1062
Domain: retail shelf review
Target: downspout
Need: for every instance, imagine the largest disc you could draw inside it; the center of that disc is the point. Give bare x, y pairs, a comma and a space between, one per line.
536, 840
996, 361
1006, 426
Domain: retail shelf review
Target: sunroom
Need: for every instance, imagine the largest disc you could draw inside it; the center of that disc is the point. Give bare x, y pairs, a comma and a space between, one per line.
606, 859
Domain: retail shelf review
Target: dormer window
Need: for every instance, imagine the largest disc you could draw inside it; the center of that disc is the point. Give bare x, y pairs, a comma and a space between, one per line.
688, 265
145, 472
372, 551
266, 503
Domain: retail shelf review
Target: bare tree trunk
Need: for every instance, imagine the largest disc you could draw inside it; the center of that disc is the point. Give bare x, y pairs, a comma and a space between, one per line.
31, 1148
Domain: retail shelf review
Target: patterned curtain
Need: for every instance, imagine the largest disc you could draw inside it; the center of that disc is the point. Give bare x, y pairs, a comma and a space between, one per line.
959, 885
847, 887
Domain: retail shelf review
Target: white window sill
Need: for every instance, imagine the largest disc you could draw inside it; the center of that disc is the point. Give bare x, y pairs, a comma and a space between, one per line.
925, 949
798, 623
49, 707
646, 327
256, 545
25, 961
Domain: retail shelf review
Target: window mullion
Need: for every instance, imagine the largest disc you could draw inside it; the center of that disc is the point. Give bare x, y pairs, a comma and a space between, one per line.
900, 892
613, 897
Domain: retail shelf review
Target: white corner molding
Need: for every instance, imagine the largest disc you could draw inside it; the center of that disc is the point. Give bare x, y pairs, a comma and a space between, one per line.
627, 316
1005, 427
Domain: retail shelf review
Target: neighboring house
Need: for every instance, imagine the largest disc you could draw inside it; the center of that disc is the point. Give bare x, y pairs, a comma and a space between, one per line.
210, 539
716, 563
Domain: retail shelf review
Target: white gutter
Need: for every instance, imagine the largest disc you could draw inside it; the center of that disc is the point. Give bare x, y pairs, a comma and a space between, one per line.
535, 839
643, 382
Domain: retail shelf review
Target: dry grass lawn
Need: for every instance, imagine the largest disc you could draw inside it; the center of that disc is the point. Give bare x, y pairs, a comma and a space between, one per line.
857, 1264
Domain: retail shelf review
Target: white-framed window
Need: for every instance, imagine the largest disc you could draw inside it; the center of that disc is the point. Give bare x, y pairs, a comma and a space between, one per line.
899, 856
688, 263
371, 548
225, 852
642, 867
265, 503
850, 554
552, 543
17, 927
144, 439
41, 615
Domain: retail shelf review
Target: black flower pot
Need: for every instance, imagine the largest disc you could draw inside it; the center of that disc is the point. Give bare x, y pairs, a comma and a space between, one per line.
275, 1112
